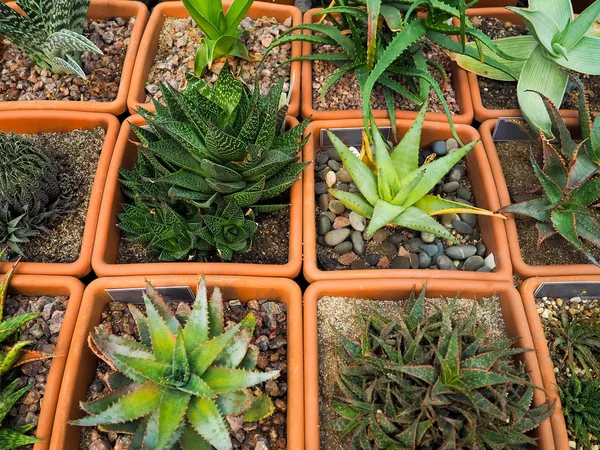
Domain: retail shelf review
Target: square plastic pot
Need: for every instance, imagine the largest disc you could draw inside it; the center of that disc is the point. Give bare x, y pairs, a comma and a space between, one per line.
99, 9
82, 362
34, 122
484, 191
520, 266
394, 290
104, 258
459, 82
36, 285
149, 47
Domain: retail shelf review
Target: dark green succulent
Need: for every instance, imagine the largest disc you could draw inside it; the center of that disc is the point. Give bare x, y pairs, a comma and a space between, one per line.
30, 192
580, 400
216, 157
570, 178
434, 381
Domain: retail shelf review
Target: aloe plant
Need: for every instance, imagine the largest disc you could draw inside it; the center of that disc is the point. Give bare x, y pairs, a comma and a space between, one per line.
221, 30
432, 381
49, 32
180, 381
580, 400
396, 190
557, 41
570, 180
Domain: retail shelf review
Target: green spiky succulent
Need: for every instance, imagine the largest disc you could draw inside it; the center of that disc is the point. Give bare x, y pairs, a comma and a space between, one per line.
570, 178
49, 32
395, 191
177, 385
434, 381
580, 400
214, 156
30, 192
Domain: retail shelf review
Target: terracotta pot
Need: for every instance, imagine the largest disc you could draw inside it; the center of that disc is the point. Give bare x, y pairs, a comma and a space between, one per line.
149, 47
527, 289
481, 112
104, 258
99, 9
523, 269
460, 84
393, 290
33, 122
479, 174
81, 364
36, 285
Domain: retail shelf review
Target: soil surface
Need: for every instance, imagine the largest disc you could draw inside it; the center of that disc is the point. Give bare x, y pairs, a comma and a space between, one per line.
497, 94
270, 244
21, 79
523, 185
345, 94
44, 332
336, 314
270, 336
180, 38
76, 154
342, 243
576, 309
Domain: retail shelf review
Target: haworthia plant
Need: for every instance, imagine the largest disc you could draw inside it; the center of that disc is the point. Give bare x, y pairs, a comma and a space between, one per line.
49, 32
395, 190
557, 41
432, 380
175, 387
580, 398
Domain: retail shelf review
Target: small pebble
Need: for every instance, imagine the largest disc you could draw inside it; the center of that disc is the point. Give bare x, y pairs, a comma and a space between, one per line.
343, 247
439, 148
333, 154
480, 249
424, 260
358, 244
463, 193
414, 261
330, 178
451, 144
427, 237
358, 222
323, 202
381, 235
460, 252
335, 166
323, 225
344, 176
474, 263
372, 259
462, 227
336, 237
341, 222
337, 207
359, 264
400, 262
445, 263
450, 187
414, 244
347, 258
387, 248
320, 188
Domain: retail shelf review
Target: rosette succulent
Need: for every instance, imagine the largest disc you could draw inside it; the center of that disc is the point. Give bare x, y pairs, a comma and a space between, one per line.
49, 32
175, 387
580, 400
432, 381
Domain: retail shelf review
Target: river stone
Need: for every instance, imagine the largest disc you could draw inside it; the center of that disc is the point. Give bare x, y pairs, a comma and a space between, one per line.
400, 262
372, 259
448, 219
462, 227
359, 264
396, 238
358, 244
424, 260
344, 176
484, 269
470, 219
323, 202
336, 237
343, 187
464, 193
460, 252
445, 263
440, 251
320, 188
329, 214
321, 240
439, 148
474, 263
414, 244
347, 258
358, 222
322, 158
323, 224
383, 263
353, 189
336, 207
450, 144
450, 187
480, 249
381, 235
414, 260
333, 154
427, 237
387, 248
341, 222
330, 179
430, 249
335, 166
323, 173
456, 173
342, 248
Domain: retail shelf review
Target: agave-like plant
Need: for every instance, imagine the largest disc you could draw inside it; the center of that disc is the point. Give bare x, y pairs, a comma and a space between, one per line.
396, 190
557, 41
49, 32
580, 400
177, 385
570, 180
432, 381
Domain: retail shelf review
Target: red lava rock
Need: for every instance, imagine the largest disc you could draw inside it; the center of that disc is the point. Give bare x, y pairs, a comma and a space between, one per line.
341, 222
384, 263
347, 258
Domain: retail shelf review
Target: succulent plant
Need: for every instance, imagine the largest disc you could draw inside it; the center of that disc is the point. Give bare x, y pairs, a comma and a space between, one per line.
394, 189
208, 148
434, 381
49, 32
580, 400
570, 180
557, 41
30, 192
177, 385
14, 437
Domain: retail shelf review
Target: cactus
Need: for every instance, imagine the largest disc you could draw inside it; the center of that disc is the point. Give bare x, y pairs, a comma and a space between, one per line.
179, 382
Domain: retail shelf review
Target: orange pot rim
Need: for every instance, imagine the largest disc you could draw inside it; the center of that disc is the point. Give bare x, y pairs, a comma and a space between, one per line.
37, 285
520, 266
118, 106
146, 54
394, 290
481, 113
64, 121
527, 290
463, 95
104, 268
276, 289
313, 273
